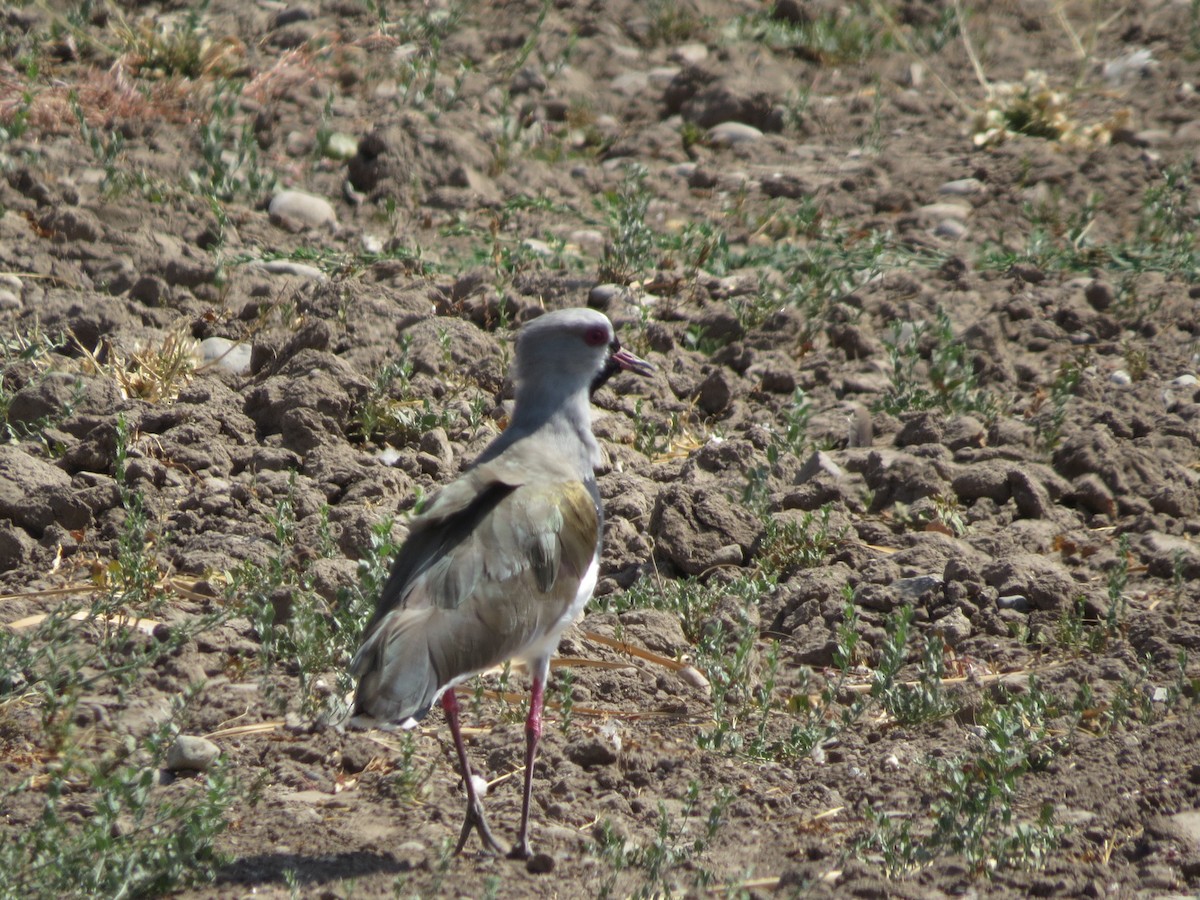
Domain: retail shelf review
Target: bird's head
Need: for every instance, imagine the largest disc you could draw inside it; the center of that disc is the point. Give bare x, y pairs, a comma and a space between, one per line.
573, 349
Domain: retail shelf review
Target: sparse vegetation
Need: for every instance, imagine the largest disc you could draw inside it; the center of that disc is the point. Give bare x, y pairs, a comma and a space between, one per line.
932, 369
182, 556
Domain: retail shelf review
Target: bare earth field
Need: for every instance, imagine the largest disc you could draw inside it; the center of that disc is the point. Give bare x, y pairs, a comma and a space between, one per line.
900, 594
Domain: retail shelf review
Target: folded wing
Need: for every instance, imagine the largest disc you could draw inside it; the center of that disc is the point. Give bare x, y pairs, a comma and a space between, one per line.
489, 568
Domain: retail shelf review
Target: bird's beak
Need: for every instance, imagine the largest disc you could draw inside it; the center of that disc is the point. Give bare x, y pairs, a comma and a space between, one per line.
629, 362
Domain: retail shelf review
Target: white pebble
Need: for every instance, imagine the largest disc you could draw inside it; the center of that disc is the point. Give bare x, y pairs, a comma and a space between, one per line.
730, 134
286, 267
341, 146
961, 187
305, 210
225, 354
1121, 378
951, 228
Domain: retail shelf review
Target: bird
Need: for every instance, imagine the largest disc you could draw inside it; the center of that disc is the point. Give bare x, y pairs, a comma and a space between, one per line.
503, 558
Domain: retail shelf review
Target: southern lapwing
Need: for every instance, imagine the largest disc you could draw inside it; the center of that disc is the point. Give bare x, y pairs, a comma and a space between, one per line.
505, 557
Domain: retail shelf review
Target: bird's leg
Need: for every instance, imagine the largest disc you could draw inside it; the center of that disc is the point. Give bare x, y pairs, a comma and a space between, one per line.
533, 732
474, 818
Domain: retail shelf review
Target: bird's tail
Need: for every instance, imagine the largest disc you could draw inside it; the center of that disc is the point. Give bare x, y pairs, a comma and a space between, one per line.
397, 681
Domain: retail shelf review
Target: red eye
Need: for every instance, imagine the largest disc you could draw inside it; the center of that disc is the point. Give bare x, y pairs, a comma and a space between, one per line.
596, 336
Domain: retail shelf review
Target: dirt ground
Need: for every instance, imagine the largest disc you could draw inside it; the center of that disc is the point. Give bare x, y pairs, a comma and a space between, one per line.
900, 592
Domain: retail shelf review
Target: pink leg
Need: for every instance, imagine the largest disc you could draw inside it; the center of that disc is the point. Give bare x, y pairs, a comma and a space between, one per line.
474, 819
533, 732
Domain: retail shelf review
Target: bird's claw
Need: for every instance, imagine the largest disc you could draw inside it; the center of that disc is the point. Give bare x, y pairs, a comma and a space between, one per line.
475, 821
520, 850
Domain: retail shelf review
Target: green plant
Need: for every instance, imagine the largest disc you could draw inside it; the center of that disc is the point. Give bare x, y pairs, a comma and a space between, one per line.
972, 814
790, 544
135, 839
652, 437
1062, 389
631, 245
298, 630
939, 377
659, 864
924, 701
1118, 579
229, 159
669, 22
1164, 240
847, 33
794, 434
391, 410
819, 261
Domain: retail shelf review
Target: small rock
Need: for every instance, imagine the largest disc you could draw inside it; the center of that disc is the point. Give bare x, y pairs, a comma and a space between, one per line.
937, 212
295, 269
540, 864
590, 752
961, 187
690, 54
951, 229
954, 628
341, 146
602, 296
779, 381
225, 354
297, 210
1099, 294
818, 462
729, 555
290, 15
1120, 378
195, 754
731, 134
1019, 602
715, 392
1130, 67
910, 590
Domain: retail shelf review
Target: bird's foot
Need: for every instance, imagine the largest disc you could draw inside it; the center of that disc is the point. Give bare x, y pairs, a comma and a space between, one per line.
520, 850
475, 821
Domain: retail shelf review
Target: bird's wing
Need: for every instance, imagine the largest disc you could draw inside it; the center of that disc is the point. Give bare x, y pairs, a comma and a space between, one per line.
487, 569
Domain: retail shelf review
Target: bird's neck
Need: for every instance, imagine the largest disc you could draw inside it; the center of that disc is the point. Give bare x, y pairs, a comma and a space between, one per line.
560, 417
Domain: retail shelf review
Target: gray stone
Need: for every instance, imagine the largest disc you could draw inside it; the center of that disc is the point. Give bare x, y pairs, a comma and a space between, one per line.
1120, 378
932, 213
951, 229
1019, 602
690, 54
226, 354
297, 210
819, 462
731, 134
35, 494
910, 590
715, 392
192, 753
961, 187
954, 628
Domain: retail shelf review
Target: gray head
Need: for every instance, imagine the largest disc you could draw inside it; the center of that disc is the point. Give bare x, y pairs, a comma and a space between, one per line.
568, 351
